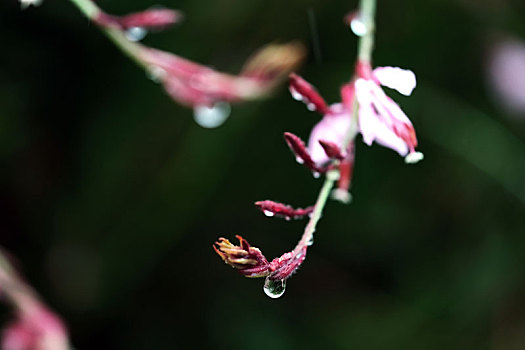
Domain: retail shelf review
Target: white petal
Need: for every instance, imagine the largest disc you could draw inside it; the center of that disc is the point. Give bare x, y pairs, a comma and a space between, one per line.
377, 126
387, 107
368, 123
402, 80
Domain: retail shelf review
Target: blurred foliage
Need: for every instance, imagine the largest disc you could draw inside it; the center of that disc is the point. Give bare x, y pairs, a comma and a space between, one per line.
111, 195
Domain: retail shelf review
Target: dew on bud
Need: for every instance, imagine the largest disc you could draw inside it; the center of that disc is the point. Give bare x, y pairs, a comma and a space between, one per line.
136, 33
274, 288
155, 73
310, 106
296, 95
211, 117
268, 213
310, 241
414, 157
358, 26
316, 174
299, 160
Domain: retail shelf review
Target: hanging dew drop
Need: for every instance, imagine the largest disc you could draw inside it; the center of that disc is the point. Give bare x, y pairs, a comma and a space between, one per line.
211, 117
155, 73
268, 213
316, 174
358, 26
310, 106
136, 33
299, 160
296, 95
274, 288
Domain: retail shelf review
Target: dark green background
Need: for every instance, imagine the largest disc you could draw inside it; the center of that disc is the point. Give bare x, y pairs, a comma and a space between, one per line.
111, 196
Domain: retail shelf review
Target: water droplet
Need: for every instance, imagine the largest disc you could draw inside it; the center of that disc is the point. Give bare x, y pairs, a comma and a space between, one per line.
268, 213
296, 95
310, 106
413, 157
274, 288
299, 160
310, 241
155, 73
316, 174
136, 33
358, 26
211, 117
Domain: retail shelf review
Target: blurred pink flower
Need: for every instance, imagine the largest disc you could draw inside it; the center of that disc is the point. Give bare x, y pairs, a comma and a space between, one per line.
193, 84
35, 326
506, 74
35, 329
380, 118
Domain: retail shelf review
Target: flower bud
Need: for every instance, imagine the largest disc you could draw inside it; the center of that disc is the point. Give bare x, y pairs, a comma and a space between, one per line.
248, 260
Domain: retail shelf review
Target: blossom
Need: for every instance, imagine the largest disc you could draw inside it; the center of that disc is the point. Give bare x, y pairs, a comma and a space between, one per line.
35, 329
380, 118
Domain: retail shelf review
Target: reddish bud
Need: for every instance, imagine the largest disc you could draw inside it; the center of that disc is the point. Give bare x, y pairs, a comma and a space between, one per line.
301, 90
155, 19
151, 19
301, 153
283, 267
332, 150
248, 260
271, 208
346, 170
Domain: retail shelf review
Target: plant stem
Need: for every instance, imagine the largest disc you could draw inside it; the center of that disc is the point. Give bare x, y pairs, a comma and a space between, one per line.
364, 54
367, 9
117, 36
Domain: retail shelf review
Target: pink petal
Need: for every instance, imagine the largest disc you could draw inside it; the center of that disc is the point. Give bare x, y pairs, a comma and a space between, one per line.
402, 80
333, 128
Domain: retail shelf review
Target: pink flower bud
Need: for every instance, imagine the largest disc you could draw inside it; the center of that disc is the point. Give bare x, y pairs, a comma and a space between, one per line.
301, 90
248, 260
155, 19
151, 19
332, 150
271, 208
301, 153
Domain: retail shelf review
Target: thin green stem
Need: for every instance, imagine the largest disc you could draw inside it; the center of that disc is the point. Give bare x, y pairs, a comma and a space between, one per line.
367, 9
117, 36
365, 47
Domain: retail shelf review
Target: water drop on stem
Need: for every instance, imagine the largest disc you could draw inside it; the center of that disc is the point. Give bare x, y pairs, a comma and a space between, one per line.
274, 288
268, 213
211, 116
358, 26
136, 33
